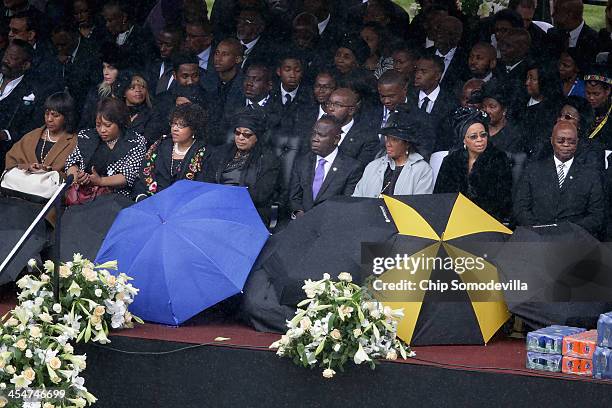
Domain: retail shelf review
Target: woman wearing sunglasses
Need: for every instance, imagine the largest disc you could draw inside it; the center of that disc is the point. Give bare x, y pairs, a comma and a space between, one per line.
248, 162
479, 171
181, 156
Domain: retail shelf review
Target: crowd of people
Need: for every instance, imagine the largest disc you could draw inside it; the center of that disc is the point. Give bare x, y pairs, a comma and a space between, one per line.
301, 101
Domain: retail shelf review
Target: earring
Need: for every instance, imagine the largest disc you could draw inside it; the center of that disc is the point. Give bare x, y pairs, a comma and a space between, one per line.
464, 146
193, 136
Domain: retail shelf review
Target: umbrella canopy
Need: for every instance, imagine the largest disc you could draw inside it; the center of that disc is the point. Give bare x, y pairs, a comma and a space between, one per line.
445, 230
17, 215
187, 248
567, 272
327, 239
85, 226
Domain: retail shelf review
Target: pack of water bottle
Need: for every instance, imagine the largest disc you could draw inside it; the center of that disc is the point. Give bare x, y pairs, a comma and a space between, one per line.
602, 358
544, 347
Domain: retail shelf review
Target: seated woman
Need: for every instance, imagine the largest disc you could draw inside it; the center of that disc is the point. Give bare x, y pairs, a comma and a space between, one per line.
502, 132
112, 63
47, 148
377, 38
248, 162
350, 56
402, 171
479, 171
108, 155
181, 156
570, 73
136, 95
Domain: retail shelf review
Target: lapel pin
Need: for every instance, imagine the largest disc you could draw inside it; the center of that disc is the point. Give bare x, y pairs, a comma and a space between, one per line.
571, 177
335, 168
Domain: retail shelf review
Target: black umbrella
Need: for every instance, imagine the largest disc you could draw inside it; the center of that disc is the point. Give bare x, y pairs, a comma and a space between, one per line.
568, 274
84, 227
17, 215
327, 239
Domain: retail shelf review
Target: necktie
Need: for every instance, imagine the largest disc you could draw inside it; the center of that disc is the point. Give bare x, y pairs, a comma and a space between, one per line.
561, 174
162, 83
424, 104
318, 178
287, 99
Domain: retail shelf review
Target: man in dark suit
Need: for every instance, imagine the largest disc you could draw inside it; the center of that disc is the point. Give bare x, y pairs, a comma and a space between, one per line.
570, 25
526, 9
79, 61
159, 71
358, 139
198, 40
134, 40
448, 37
324, 172
224, 87
20, 99
45, 68
560, 188
250, 27
328, 23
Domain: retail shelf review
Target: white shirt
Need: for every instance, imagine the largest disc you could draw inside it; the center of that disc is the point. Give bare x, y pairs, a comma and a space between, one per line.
574, 34
323, 24
447, 59
509, 68
249, 46
122, 38
345, 129
260, 103
432, 98
329, 159
488, 77
292, 93
566, 166
532, 102
321, 112
428, 43
203, 58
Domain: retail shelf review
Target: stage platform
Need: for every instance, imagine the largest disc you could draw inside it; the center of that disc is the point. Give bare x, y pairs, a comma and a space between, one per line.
213, 362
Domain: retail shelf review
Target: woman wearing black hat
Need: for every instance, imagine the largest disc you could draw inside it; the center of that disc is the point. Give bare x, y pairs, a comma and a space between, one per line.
502, 132
182, 156
480, 171
598, 93
112, 63
350, 57
248, 162
402, 171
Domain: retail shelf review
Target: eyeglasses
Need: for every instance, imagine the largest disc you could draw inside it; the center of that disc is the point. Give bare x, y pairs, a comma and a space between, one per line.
567, 116
474, 136
335, 105
179, 126
246, 135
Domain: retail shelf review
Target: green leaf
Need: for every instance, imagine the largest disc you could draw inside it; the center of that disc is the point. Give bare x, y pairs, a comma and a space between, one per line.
304, 302
320, 348
360, 314
88, 332
80, 337
302, 354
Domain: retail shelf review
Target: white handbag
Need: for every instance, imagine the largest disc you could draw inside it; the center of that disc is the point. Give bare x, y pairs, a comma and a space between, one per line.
36, 186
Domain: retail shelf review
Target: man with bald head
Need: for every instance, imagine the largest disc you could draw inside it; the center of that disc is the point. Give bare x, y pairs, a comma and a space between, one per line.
446, 41
570, 26
561, 189
357, 139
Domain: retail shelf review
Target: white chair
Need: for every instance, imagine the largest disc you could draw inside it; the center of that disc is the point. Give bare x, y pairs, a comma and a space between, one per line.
435, 161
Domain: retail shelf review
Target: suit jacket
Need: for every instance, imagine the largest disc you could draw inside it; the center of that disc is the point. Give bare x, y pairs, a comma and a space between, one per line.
457, 73
514, 84
220, 112
46, 69
343, 176
586, 45
539, 200
82, 73
138, 48
361, 143
437, 120
18, 115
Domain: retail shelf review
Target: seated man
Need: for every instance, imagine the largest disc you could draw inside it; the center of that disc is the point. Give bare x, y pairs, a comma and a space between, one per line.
324, 172
560, 188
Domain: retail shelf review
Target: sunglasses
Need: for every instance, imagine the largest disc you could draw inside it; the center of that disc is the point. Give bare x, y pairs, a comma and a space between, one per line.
482, 135
246, 135
567, 116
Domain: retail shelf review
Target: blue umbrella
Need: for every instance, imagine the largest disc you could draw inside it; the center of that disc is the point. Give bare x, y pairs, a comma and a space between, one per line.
187, 248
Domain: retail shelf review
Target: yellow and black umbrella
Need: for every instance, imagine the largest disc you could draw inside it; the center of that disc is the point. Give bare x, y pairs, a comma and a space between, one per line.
454, 236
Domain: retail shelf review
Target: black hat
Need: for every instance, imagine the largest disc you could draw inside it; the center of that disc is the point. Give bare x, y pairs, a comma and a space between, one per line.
599, 73
402, 125
495, 90
357, 45
194, 93
114, 56
251, 120
463, 118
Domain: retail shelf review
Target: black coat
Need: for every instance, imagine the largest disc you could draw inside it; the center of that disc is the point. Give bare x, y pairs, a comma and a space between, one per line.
509, 139
457, 73
489, 184
20, 116
222, 108
260, 173
343, 176
82, 73
162, 162
538, 199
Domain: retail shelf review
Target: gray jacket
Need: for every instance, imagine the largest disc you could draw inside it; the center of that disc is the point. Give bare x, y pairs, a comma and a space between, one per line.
416, 177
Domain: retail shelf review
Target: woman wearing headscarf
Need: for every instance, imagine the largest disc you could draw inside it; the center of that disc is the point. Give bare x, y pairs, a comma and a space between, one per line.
182, 156
402, 170
479, 171
108, 155
503, 134
248, 162
349, 59
46, 148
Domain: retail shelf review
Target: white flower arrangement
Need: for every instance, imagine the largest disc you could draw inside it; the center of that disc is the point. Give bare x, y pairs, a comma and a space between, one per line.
482, 8
35, 352
338, 322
